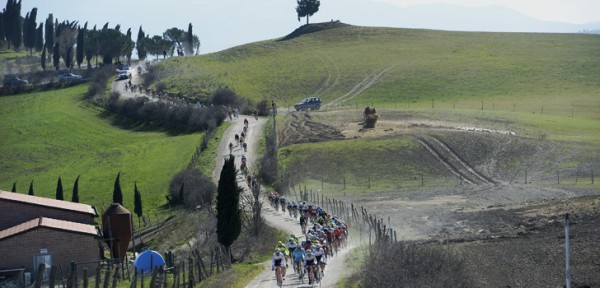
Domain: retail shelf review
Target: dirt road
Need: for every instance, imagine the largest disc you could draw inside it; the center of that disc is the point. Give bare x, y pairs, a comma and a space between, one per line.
277, 219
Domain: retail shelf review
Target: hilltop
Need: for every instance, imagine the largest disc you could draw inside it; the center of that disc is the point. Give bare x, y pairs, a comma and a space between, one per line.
356, 66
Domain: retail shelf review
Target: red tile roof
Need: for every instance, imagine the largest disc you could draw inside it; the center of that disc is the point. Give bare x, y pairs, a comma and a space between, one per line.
47, 202
49, 223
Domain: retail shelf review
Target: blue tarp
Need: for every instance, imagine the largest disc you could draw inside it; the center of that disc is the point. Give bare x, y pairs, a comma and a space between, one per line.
147, 261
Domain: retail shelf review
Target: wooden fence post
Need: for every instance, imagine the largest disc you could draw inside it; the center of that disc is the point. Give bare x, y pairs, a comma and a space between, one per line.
134, 279
39, 277
53, 271
85, 278
98, 277
107, 278
116, 277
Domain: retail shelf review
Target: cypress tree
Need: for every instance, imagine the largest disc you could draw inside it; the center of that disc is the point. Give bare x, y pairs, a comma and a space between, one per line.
18, 36
30, 28
128, 45
117, 194
31, 188
49, 32
75, 197
12, 24
43, 57
39, 37
56, 56
229, 221
59, 190
79, 53
14, 188
189, 41
137, 202
140, 44
2, 34
26, 31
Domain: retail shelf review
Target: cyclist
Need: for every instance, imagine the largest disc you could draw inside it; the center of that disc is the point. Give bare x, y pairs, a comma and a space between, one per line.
303, 221
289, 207
310, 264
321, 257
286, 254
282, 202
294, 237
291, 246
298, 257
278, 261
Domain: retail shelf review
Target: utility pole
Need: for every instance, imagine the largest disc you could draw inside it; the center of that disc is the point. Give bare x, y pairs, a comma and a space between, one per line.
567, 256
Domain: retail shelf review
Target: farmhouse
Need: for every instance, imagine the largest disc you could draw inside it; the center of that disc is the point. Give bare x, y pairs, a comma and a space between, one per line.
35, 230
49, 241
18, 208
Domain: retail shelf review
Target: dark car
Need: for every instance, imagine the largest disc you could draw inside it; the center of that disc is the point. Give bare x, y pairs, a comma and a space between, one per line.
14, 81
69, 77
311, 103
122, 76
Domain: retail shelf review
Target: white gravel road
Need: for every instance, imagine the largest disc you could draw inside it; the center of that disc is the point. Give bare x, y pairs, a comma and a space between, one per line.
334, 270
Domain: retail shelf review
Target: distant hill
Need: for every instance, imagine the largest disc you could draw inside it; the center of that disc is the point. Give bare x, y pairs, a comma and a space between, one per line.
492, 18
353, 65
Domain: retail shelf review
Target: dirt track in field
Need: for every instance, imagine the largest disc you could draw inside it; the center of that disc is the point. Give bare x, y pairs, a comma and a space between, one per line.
510, 234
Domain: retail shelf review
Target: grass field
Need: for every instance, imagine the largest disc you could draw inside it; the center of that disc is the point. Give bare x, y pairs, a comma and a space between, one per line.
389, 67
50, 134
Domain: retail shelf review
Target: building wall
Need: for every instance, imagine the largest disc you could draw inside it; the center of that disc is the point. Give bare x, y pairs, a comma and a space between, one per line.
64, 246
15, 213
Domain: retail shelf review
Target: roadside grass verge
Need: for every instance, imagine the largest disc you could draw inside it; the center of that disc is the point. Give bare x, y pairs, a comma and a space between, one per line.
206, 162
50, 134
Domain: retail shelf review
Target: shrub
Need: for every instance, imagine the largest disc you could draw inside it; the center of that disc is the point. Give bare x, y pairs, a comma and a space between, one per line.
370, 117
263, 108
413, 266
268, 164
371, 120
99, 80
198, 189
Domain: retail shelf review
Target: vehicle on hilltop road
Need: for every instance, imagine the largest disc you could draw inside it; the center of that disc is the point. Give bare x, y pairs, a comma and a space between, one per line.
311, 103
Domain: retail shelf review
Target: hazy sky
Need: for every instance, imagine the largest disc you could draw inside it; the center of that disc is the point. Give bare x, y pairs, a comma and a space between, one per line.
221, 24
571, 11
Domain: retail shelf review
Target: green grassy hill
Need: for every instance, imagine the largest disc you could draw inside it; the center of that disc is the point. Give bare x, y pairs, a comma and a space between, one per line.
351, 65
50, 134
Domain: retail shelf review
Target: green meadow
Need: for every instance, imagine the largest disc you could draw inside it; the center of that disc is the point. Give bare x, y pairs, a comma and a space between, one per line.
50, 134
543, 87
400, 68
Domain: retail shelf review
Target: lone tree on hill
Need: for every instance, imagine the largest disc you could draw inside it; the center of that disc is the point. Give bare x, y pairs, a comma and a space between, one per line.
307, 8
137, 202
75, 197
117, 194
59, 190
229, 220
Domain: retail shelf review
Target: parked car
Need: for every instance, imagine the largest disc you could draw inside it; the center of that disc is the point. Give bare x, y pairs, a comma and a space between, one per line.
311, 103
122, 76
69, 77
14, 80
